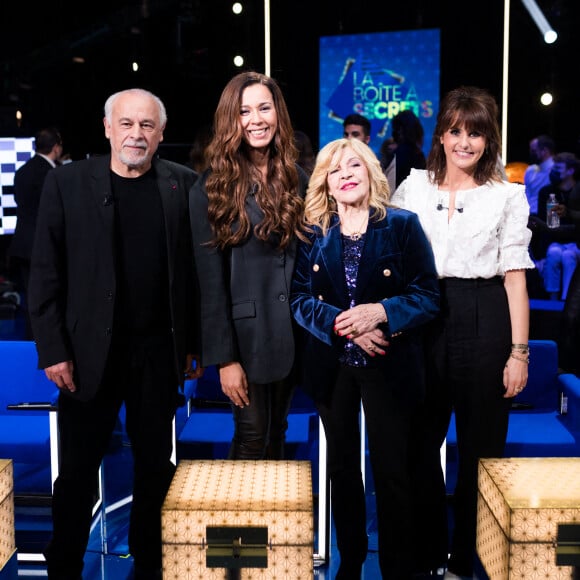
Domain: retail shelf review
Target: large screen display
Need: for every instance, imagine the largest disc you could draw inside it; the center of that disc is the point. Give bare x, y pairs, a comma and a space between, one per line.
14, 152
378, 75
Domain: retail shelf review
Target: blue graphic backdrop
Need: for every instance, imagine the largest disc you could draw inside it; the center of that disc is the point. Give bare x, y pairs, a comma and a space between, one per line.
378, 75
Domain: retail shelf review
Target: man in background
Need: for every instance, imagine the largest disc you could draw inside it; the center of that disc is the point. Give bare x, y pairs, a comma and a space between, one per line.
356, 126
537, 175
28, 182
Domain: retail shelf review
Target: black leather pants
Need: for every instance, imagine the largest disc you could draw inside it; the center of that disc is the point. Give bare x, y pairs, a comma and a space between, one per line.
260, 428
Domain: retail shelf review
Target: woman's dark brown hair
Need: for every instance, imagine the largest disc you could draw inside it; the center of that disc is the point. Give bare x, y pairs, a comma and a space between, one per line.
477, 110
233, 176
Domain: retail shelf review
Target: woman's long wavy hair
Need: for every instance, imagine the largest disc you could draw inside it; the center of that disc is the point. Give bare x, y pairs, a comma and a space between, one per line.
477, 110
233, 176
320, 207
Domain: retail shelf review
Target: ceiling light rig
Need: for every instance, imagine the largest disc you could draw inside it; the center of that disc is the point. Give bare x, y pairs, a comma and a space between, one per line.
237, 9
549, 34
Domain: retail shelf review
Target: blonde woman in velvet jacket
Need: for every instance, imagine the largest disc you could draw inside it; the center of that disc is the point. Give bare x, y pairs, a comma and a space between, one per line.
363, 286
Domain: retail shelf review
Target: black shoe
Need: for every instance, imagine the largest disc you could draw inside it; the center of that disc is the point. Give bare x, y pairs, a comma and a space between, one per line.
147, 573
349, 572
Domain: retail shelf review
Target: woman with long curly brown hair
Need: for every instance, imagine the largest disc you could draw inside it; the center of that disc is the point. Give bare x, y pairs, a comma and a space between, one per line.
245, 216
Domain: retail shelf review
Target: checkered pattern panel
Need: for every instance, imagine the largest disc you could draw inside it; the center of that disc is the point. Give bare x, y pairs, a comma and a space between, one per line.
14, 152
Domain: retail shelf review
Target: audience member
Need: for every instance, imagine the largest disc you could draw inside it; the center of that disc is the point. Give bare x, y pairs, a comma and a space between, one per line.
28, 182
357, 126
306, 155
569, 339
387, 152
112, 304
477, 350
562, 254
197, 154
365, 282
387, 161
245, 212
407, 150
542, 149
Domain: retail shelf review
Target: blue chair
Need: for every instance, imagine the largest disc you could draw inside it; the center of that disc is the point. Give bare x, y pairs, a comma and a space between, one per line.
536, 426
209, 427
27, 412
28, 436
570, 391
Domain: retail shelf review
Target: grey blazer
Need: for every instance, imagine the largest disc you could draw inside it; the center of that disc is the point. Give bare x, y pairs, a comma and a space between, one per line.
245, 308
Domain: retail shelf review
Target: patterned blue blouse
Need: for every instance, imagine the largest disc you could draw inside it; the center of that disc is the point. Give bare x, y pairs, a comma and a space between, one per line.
353, 355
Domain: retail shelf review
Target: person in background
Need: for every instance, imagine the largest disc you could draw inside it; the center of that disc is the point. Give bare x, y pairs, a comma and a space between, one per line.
197, 154
562, 254
477, 348
537, 175
357, 126
113, 311
28, 182
245, 214
569, 337
365, 282
306, 155
406, 151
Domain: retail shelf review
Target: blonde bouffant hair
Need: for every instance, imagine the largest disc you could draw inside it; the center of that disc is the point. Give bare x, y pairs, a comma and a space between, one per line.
320, 207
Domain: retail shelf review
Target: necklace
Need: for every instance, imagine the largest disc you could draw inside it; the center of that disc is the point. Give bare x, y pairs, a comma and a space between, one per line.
356, 235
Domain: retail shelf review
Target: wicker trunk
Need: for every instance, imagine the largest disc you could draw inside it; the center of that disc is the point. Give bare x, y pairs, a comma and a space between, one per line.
521, 503
239, 519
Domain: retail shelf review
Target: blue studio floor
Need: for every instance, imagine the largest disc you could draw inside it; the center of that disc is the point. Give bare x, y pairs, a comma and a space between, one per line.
107, 557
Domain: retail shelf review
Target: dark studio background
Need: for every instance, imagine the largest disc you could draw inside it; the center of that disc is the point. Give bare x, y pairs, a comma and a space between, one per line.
185, 51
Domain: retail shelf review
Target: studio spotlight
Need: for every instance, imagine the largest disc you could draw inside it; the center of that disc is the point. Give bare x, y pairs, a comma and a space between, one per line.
549, 34
546, 99
239, 60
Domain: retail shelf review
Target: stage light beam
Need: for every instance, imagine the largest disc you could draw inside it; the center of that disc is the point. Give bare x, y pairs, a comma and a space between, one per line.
549, 34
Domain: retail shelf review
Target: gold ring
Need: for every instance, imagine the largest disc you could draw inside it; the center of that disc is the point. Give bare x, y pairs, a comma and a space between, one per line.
353, 329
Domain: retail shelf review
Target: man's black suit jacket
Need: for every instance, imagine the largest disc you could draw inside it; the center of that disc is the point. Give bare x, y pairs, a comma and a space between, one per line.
28, 182
73, 279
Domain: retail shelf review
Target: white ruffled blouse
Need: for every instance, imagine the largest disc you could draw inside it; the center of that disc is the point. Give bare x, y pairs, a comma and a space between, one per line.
487, 234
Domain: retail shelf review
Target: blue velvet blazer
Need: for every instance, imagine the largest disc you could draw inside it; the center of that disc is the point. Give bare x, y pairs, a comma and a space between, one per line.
397, 269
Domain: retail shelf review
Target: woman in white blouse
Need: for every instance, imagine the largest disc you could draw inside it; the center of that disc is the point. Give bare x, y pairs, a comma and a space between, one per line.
477, 350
